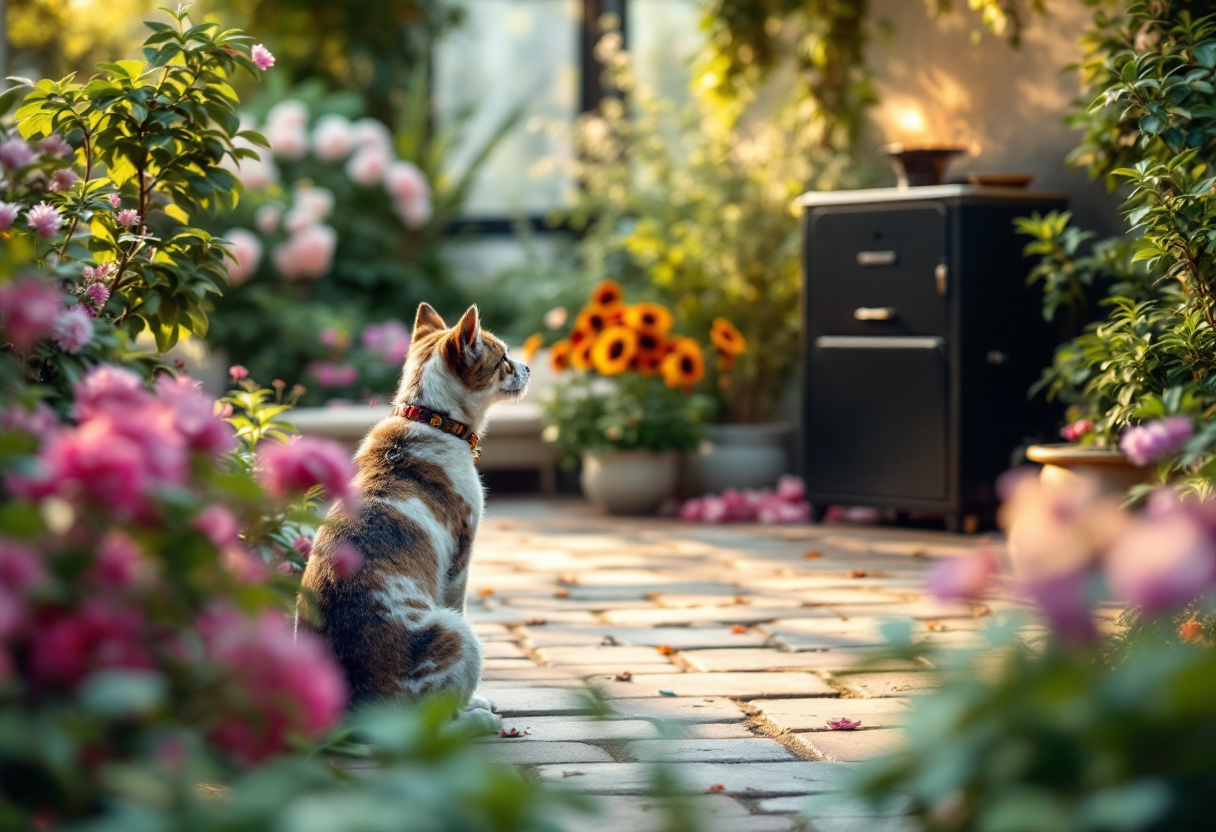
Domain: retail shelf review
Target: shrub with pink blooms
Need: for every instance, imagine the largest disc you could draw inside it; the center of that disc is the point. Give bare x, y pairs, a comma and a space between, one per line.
1078, 725
786, 503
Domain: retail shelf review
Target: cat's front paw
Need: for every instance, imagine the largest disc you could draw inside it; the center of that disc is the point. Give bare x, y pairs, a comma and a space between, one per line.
479, 701
482, 720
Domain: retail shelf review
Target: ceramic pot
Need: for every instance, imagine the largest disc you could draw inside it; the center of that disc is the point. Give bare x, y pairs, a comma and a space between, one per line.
739, 456
1063, 462
629, 482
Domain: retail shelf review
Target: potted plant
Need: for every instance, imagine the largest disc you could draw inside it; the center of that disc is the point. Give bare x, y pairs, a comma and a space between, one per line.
628, 406
707, 224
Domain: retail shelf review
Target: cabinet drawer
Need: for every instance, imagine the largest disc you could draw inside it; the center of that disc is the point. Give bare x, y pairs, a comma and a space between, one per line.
877, 417
876, 272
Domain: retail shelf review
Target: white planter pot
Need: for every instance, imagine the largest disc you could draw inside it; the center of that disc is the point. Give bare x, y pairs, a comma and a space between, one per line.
629, 482
739, 456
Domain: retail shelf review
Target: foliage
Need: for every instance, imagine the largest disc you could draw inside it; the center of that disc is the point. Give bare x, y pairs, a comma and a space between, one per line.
1071, 731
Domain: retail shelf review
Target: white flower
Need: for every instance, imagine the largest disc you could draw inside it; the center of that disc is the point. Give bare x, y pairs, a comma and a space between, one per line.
267, 218
245, 253
332, 140
368, 165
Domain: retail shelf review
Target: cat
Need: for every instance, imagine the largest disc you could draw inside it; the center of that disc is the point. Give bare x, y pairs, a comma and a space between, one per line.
396, 621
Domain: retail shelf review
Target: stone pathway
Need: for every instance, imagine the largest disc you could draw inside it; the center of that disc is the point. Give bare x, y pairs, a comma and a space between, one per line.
612, 645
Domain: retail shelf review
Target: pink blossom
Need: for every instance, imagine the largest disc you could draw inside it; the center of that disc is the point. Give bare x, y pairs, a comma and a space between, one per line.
55, 145
371, 133
217, 524
21, 568
414, 213
331, 138
63, 180
346, 560
14, 618
1073, 432
1155, 440
73, 329
194, 416
44, 219
107, 388
255, 174
692, 509
309, 253
966, 578
1161, 562
244, 255
237, 372
8, 214
244, 565
102, 271
98, 636
283, 684
556, 317
791, 488
286, 567
39, 422
15, 153
128, 217
331, 337
261, 57
368, 165
331, 375
115, 200
714, 509
29, 308
843, 724
266, 218
290, 111
774, 511
98, 294
120, 563
303, 546
315, 203
1064, 599
405, 182
389, 340
287, 140
294, 468
93, 464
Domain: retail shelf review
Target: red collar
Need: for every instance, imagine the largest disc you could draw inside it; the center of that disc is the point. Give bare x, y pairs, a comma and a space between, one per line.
416, 413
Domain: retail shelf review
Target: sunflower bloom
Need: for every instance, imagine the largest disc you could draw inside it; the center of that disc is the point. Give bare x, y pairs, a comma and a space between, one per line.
613, 350
648, 317
559, 355
727, 338
580, 354
684, 366
651, 349
595, 319
607, 293
535, 342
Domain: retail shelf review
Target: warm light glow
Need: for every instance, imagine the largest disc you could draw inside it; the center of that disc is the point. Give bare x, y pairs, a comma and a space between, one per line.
910, 120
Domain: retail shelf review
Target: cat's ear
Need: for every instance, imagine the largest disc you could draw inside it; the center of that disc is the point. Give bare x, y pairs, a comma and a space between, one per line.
427, 321
468, 333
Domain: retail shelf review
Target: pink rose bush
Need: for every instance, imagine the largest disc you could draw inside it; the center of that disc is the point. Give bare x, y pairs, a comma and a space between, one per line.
784, 504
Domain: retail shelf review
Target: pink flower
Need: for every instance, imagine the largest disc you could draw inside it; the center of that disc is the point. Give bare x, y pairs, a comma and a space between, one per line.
843, 724
194, 416
288, 140
115, 200
290, 111
73, 329
389, 340
308, 253
556, 317
29, 308
21, 568
331, 138
691, 510
1155, 440
331, 337
303, 546
8, 214
94, 464
266, 218
217, 524
244, 565
120, 563
368, 165
98, 294
283, 684
55, 145
128, 217
294, 468
330, 375
108, 388
15, 153
966, 578
261, 57
405, 182
39, 422
774, 510
1161, 562
14, 618
63, 180
791, 489
414, 213
98, 636
1076, 430
714, 509
244, 255
236, 372
255, 174
371, 133
346, 560
44, 219
1064, 600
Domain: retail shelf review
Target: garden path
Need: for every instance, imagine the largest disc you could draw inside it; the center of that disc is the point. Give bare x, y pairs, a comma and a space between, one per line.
614, 644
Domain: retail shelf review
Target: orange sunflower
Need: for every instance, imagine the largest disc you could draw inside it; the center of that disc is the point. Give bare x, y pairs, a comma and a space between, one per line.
649, 317
580, 354
614, 349
651, 349
559, 355
607, 293
727, 338
595, 318
684, 365
535, 342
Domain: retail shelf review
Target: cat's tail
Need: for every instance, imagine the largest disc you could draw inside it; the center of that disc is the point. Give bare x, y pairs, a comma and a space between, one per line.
442, 653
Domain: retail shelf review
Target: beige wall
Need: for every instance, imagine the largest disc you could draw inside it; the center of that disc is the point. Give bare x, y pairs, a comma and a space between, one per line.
936, 84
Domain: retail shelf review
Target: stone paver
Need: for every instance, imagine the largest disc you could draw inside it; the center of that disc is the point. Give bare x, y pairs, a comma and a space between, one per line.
614, 645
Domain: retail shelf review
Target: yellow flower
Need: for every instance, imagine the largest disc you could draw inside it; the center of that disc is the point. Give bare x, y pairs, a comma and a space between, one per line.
559, 355
607, 293
535, 342
684, 366
595, 319
613, 350
651, 349
580, 355
649, 317
727, 338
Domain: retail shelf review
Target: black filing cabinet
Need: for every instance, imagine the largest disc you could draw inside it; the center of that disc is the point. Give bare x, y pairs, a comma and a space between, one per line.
921, 340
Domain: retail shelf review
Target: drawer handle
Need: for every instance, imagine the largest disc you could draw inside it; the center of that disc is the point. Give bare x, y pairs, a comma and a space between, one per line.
876, 258
874, 313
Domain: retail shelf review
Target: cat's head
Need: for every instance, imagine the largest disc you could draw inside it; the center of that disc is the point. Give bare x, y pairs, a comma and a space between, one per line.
459, 370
